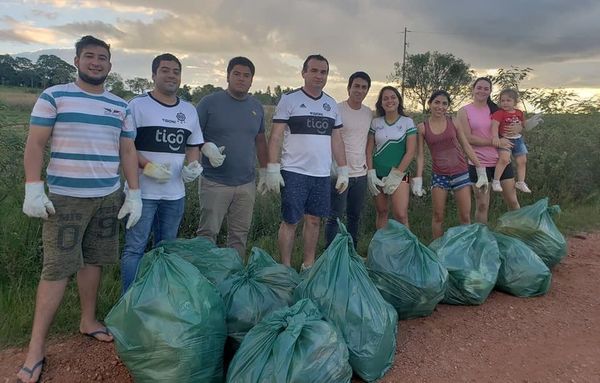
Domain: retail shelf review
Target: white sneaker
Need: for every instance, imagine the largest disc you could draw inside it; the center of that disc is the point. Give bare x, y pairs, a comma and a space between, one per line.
522, 186
496, 186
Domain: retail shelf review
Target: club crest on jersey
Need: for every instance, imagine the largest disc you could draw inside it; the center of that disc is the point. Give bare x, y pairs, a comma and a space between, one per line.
180, 117
327, 107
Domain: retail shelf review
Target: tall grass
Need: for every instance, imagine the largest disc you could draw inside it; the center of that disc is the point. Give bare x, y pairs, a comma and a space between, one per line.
563, 165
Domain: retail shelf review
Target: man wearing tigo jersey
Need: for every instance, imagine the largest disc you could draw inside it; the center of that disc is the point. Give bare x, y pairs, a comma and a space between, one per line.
307, 123
168, 134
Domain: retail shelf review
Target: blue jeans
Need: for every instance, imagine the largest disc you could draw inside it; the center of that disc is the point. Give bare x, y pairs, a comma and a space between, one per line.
166, 216
351, 201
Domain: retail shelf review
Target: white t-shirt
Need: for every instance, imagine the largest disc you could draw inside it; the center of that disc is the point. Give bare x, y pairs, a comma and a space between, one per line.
354, 134
307, 136
163, 132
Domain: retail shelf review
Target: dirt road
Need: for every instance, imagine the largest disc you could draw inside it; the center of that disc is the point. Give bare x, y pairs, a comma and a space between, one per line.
555, 338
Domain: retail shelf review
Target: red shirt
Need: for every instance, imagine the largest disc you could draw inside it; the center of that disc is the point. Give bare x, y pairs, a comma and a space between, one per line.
507, 118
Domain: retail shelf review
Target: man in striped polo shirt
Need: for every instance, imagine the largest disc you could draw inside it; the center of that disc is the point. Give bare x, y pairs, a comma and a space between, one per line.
92, 135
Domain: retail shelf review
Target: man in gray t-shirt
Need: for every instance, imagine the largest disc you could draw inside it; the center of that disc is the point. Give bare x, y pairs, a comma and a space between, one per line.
232, 119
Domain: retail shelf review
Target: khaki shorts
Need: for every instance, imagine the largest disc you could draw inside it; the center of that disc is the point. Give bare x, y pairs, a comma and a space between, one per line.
84, 231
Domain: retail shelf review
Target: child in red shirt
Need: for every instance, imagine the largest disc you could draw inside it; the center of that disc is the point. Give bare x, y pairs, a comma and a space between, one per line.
501, 119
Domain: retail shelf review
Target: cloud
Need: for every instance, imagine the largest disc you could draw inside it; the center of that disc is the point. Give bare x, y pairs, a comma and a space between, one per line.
556, 38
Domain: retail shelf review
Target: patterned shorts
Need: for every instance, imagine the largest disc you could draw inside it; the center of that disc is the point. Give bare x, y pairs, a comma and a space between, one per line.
453, 182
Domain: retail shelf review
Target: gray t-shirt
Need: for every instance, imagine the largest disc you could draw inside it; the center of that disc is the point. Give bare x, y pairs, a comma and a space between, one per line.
232, 123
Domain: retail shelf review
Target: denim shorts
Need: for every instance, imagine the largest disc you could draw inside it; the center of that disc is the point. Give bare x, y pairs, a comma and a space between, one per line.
453, 182
303, 194
518, 148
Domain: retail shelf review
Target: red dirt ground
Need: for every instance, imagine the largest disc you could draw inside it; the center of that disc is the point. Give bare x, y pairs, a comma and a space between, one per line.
555, 338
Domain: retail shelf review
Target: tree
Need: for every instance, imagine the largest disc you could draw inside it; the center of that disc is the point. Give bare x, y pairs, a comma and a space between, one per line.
114, 84
200, 91
53, 70
431, 71
511, 78
185, 92
553, 100
138, 85
278, 92
8, 73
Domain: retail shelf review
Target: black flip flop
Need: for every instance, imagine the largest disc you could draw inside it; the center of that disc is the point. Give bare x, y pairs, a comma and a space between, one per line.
31, 370
94, 334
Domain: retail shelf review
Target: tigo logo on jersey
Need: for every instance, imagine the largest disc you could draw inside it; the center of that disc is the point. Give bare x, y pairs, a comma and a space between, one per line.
173, 139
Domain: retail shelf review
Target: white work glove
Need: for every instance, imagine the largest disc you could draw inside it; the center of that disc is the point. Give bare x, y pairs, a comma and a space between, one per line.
416, 185
36, 203
191, 171
215, 155
262, 181
131, 206
341, 184
373, 182
534, 121
482, 179
274, 180
392, 181
160, 172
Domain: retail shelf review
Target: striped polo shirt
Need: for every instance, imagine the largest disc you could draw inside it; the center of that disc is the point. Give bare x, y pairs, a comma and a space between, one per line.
86, 129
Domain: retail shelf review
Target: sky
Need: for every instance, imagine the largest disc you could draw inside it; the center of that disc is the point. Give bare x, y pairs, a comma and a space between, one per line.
559, 39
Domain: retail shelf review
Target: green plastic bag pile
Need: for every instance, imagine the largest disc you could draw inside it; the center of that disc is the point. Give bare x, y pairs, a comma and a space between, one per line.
522, 273
339, 285
216, 264
170, 325
533, 225
251, 293
471, 256
406, 272
293, 344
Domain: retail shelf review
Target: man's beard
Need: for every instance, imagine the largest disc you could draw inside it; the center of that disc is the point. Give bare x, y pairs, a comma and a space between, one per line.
91, 80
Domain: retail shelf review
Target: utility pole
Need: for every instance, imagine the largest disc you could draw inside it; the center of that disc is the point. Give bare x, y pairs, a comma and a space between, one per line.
404, 60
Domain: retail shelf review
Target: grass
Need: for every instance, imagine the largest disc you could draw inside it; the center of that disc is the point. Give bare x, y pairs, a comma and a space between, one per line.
562, 165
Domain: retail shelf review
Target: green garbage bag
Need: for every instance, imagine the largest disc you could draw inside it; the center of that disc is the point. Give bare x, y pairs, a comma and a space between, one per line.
338, 283
251, 293
170, 325
522, 273
294, 344
216, 264
533, 225
471, 256
407, 273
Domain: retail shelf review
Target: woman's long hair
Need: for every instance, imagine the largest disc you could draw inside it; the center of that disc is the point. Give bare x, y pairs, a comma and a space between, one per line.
491, 104
379, 107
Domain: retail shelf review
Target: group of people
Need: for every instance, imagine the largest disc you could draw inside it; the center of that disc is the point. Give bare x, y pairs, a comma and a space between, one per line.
321, 156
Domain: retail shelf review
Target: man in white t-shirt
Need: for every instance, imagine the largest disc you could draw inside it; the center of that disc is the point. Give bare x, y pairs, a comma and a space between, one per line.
357, 120
168, 133
307, 123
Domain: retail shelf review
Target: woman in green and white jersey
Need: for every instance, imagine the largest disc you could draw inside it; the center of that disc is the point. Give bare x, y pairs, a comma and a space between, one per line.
391, 146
